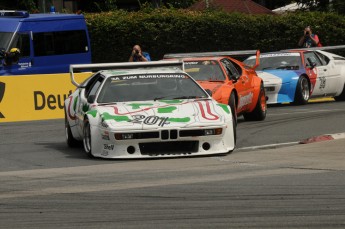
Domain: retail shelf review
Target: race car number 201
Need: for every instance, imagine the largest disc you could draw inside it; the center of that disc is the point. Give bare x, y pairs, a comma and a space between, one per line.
150, 120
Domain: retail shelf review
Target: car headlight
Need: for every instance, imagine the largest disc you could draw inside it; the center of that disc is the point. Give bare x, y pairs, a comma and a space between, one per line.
217, 131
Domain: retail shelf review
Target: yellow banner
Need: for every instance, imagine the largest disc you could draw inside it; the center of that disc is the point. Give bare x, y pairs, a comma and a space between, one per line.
35, 97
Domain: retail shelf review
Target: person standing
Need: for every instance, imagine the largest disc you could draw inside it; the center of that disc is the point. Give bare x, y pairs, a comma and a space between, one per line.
309, 39
138, 55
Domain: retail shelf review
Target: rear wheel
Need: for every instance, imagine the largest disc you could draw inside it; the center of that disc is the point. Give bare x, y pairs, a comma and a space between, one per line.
87, 138
70, 140
341, 97
302, 93
260, 110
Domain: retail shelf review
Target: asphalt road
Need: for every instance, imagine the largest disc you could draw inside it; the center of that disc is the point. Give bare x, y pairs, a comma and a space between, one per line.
44, 184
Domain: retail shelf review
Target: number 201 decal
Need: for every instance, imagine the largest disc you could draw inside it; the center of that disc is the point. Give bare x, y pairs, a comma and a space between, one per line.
150, 120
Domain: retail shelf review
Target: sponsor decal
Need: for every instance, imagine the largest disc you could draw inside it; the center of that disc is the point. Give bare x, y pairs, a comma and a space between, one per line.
322, 82
24, 65
279, 54
108, 147
50, 101
245, 100
274, 55
105, 153
150, 76
105, 135
2, 93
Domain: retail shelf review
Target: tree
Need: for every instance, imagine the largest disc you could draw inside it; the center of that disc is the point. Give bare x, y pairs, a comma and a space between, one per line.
30, 5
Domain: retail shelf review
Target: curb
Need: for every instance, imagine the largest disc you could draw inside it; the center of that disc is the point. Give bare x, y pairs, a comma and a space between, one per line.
325, 137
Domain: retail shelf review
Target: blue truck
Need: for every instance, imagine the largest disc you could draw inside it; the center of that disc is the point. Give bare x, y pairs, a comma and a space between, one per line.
42, 43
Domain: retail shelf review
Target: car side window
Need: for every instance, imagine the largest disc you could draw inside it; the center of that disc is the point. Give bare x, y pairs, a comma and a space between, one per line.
230, 68
93, 85
311, 59
324, 59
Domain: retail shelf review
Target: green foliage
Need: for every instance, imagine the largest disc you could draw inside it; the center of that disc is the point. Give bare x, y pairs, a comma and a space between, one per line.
162, 31
29, 5
99, 6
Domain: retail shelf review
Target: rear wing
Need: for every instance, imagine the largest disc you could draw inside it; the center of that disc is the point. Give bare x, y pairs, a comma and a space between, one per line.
222, 53
126, 65
335, 47
208, 54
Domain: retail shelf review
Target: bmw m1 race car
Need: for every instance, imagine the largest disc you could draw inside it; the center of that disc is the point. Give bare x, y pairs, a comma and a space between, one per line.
298, 75
145, 110
230, 81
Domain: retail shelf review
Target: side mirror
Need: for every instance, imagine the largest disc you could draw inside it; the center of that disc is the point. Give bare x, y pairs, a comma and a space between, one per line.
91, 98
209, 92
234, 78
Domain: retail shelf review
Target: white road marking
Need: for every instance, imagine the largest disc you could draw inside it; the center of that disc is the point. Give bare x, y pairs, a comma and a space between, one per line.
269, 146
306, 111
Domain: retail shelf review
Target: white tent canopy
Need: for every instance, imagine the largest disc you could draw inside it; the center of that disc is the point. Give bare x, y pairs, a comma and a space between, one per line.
288, 8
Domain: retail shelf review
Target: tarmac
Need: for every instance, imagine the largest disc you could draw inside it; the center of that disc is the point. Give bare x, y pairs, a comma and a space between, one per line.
325, 152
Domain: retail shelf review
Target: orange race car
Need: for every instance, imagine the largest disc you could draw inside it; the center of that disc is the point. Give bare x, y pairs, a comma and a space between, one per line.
228, 80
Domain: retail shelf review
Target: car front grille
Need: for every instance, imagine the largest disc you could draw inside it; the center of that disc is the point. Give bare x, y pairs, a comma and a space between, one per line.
169, 148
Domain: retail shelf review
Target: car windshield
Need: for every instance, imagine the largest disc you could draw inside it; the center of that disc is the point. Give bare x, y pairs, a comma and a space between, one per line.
5, 39
271, 61
206, 70
143, 87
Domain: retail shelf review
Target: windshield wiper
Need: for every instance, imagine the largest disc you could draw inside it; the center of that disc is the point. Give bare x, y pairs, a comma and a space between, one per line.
289, 67
266, 68
108, 103
189, 97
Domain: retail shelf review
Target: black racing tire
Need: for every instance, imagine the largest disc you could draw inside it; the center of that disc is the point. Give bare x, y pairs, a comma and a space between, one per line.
234, 126
70, 140
260, 110
87, 138
340, 97
232, 104
302, 93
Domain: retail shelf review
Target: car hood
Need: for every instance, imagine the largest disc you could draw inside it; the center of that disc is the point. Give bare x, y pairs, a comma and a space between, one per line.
278, 76
161, 114
213, 86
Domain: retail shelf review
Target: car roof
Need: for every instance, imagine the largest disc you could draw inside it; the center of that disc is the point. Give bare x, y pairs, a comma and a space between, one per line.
42, 17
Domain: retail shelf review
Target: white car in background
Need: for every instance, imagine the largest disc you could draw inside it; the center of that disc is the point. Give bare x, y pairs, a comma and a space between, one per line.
297, 75
146, 110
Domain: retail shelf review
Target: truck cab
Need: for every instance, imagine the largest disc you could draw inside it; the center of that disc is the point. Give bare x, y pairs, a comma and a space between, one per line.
45, 43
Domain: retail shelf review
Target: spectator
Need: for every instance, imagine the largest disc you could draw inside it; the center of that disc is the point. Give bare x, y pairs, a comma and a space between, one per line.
138, 55
11, 57
309, 39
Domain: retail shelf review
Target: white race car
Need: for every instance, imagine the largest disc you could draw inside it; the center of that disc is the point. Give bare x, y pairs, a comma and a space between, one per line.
146, 110
298, 75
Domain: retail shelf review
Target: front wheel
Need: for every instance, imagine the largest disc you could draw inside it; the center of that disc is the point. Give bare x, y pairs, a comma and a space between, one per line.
87, 138
302, 93
232, 104
70, 140
260, 110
